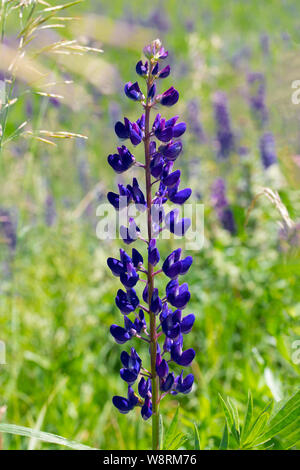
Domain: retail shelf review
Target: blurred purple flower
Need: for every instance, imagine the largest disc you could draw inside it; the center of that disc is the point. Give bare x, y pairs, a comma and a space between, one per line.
267, 149
257, 87
8, 229
193, 117
220, 203
225, 137
50, 210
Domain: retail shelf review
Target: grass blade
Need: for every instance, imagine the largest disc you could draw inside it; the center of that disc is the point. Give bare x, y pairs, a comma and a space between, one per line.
224, 440
171, 432
42, 436
197, 437
248, 418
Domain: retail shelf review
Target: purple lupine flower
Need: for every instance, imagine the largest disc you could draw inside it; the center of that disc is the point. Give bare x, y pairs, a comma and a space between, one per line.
221, 205
132, 91
50, 210
124, 405
155, 51
173, 266
155, 383
54, 101
158, 19
265, 44
122, 335
127, 301
144, 387
153, 253
225, 136
166, 130
130, 233
141, 68
178, 227
267, 150
115, 198
122, 160
132, 366
8, 232
130, 130
256, 82
169, 97
171, 151
178, 296
184, 385
193, 116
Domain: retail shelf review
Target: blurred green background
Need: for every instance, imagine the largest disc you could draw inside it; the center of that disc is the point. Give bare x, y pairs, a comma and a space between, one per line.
57, 295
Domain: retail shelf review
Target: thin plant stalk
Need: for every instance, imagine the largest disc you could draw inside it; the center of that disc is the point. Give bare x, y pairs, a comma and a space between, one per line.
153, 332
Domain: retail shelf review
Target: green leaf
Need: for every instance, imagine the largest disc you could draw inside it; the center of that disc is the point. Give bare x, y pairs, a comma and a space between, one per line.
293, 439
231, 418
161, 432
248, 418
224, 440
39, 423
235, 414
42, 436
197, 437
178, 441
290, 436
257, 428
287, 414
171, 432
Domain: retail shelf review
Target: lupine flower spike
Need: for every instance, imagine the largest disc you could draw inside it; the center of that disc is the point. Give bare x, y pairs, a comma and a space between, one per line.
160, 316
221, 205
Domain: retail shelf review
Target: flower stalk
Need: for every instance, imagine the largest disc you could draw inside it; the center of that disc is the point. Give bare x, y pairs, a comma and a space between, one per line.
159, 381
150, 275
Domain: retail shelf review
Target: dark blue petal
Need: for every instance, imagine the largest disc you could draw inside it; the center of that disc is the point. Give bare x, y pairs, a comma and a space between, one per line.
141, 69
156, 303
120, 334
115, 266
186, 358
121, 130
144, 387
179, 129
186, 264
155, 69
122, 404
167, 384
146, 410
185, 386
162, 369
152, 91
153, 253
132, 91
187, 323
172, 179
165, 72
181, 196
164, 135
169, 97
128, 376
136, 258
132, 398
171, 150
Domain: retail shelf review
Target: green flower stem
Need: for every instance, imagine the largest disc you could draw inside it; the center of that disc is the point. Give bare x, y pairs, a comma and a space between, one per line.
153, 334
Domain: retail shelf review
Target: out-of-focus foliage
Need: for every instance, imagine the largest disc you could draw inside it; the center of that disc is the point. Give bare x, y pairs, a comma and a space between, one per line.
57, 297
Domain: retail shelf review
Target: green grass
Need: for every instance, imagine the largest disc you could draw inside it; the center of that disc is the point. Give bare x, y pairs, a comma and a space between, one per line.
57, 301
